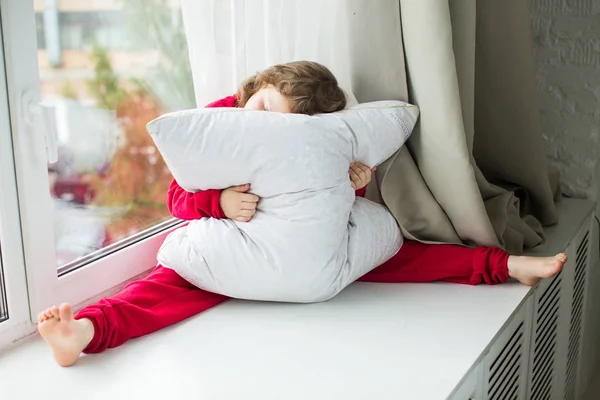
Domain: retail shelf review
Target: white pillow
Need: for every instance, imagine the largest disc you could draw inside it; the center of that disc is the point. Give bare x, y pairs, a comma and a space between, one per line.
310, 238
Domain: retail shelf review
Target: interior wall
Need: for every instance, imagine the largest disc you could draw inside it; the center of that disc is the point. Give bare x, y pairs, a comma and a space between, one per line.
567, 50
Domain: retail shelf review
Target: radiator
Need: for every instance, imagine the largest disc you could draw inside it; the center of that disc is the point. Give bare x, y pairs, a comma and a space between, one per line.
539, 354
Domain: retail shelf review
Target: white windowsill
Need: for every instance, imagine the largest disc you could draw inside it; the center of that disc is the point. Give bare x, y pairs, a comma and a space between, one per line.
373, 341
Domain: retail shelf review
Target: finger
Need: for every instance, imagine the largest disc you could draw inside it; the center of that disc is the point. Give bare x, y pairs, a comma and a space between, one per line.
360, 165
363, 167
354, 167
361, 173
374, 169
248, 206
246, 213
241, 188
249, 198
242, 219
359, 169
354, 178
366, 170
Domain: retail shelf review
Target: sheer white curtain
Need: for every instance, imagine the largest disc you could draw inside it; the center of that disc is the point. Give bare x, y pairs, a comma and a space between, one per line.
230, 40
474, 171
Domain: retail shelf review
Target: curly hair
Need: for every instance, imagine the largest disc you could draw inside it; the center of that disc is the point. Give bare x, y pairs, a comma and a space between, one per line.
310, 87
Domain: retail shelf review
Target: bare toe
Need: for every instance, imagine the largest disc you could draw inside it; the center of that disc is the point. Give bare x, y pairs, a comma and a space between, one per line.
65, 312
559, 262
66, 336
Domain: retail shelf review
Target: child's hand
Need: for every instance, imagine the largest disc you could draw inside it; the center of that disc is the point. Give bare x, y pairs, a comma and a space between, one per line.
237, 204
360, 175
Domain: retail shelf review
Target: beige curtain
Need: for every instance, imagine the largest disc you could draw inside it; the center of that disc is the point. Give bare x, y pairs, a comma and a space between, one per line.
474, 171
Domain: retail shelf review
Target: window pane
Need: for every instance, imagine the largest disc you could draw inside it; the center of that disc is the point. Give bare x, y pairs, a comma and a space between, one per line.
106, 69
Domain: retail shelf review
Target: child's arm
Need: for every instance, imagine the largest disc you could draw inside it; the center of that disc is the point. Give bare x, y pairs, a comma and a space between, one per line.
229, 101
361, 192
188, 206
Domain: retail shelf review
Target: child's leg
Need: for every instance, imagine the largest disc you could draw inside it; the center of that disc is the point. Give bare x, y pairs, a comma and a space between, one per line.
419, 262
162, 298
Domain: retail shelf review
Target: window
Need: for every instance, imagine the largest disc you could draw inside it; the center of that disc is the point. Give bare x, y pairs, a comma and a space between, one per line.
76, 89
79, 30
39, 27
14, 310
109, 183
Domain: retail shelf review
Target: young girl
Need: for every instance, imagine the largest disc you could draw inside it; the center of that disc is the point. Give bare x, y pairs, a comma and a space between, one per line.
163, 298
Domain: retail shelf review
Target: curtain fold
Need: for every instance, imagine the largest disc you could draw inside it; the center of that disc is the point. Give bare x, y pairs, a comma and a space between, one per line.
439, 143
474, 170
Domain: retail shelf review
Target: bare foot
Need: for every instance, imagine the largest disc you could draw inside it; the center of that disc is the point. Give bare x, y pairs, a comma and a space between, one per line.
529, 270
67, 337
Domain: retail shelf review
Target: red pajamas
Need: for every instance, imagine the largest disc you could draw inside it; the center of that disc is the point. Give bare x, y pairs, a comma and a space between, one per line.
161, 299
164, 298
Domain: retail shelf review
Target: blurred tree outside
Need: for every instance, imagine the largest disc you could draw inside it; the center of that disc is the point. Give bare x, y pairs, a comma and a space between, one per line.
137, 179
68, 91
104, 87
158, 25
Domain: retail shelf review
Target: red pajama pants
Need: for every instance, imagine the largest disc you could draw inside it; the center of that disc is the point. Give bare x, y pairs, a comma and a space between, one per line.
164, 298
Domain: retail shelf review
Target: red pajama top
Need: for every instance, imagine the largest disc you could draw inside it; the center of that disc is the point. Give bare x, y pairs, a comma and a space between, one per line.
189, 206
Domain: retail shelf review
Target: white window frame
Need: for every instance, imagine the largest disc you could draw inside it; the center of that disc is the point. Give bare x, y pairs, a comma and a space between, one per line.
11, 245
44, 286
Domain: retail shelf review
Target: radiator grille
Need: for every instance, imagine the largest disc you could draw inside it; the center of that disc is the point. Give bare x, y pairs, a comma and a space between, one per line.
544, 345
581, 262
505, 371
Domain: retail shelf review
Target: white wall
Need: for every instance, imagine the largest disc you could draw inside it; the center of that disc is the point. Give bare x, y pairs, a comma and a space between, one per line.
567, 51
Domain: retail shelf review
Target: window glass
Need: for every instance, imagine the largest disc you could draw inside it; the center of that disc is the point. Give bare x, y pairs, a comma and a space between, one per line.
106, 69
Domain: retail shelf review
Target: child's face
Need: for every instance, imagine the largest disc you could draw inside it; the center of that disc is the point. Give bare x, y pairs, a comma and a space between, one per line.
268, 99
